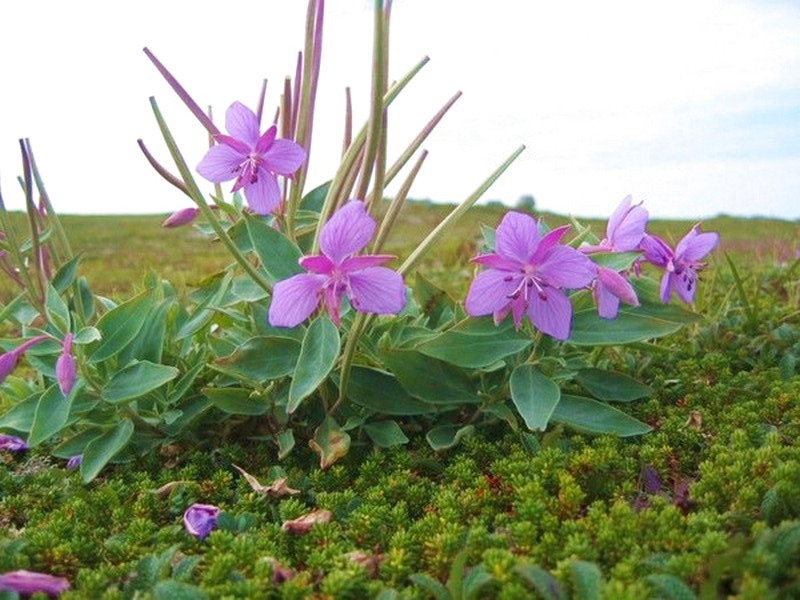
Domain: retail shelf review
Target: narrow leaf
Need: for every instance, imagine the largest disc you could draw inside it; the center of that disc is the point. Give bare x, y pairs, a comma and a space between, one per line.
120, 325
103, 448
592, 416
330, 442
612, 386
136, 380
277, 254
385, 433
52, 413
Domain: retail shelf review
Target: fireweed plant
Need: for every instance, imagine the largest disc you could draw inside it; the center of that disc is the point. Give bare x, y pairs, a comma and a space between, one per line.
312, 334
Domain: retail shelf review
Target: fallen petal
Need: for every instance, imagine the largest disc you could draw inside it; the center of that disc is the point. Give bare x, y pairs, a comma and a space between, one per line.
12, 443
302, 524
200, 519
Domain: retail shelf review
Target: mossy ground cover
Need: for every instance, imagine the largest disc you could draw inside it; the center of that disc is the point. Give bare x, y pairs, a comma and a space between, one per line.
706, 505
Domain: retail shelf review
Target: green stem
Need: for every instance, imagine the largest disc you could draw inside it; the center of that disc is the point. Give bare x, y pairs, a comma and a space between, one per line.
197, 196
397, 203
451, 219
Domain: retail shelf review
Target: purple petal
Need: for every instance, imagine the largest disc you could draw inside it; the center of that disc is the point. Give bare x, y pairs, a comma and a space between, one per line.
266, 140
550, 240
516, 237
617, 285
490, 293
607, 303
551, 315
26, 583
74, 461
319, 264
695, 245
348, 231
685, 285
12, 443
221, 163
617, 216
233, 143
294, 299
356, 263
666, 287
378, 290
263, 196
565, 267
200, 519
283, 157
495, 261
242, 124
656, 250
181, 217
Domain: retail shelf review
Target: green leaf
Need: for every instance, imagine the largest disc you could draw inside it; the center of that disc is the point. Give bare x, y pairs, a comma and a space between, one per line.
475, 348
20, 416
669, 587
103, 448
57, 310
434, 302
430, 379
213, 292
318, 354
475, 579
65, 276
612, 386
592, 416
52, 413
169, 589
543, 582
87, 299
587, 580
149, 342
285, 441
330, 442
431, 585
136, 380
616, 261
314, 199
447, 436
381, 392
120, 325
632, 324
278, 254
385, 433
534, 395
86, 335
236, 401
260, 359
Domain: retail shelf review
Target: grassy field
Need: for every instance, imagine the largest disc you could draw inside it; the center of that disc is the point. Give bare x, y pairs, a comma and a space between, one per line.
118, 250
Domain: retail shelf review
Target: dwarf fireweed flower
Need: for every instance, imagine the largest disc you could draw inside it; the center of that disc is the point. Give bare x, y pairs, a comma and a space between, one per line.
624, 230
74, 461
337, 272
65, 366
253, 159
200, 519
27, 583
609, 289
526, 274
12, 443
682, 265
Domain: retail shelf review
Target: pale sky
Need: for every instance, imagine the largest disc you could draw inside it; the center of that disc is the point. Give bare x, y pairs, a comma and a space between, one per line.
692, 106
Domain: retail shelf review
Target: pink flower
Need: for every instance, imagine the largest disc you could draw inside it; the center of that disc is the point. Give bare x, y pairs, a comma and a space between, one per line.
525, 275
253, 159
26, 583
624, 230
338, 272
65, 366
682, 265
200, 519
